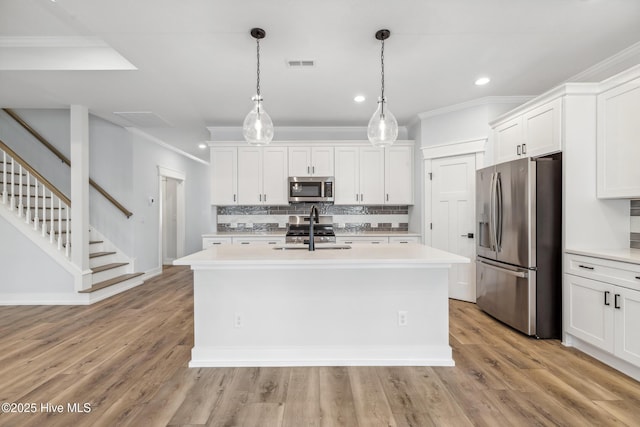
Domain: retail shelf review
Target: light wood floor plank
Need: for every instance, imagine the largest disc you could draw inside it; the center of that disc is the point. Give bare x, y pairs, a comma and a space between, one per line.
127, 357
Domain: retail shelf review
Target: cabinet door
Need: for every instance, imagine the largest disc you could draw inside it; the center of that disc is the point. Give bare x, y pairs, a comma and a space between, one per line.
398, 174
322, 161
508, 140
627, 319
347, 179
372, 176
618, 150
224, 174
589, 311
274, 176
299, 161
250, 176
542, 130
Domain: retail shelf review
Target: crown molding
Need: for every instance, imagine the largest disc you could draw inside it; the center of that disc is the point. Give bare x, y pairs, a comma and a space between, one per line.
487, 100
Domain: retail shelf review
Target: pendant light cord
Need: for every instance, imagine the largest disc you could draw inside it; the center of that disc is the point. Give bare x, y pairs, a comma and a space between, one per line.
382, 77
258, 74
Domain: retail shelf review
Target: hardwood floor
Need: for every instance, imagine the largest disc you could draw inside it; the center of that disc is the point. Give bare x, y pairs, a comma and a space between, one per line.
126, 358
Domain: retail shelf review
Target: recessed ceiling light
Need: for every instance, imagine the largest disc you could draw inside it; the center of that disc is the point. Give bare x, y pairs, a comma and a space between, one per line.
482, 81
202, 146
359, 98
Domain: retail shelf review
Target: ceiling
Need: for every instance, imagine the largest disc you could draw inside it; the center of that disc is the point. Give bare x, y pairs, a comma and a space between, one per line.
192, 64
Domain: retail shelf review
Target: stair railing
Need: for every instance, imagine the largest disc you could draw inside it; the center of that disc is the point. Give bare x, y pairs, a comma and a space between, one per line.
65, 160
30, 195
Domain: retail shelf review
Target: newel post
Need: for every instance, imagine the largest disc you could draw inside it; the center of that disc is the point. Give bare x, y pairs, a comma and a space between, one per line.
80, 193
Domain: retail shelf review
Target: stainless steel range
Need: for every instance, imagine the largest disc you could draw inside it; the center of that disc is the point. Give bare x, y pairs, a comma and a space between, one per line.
298, 230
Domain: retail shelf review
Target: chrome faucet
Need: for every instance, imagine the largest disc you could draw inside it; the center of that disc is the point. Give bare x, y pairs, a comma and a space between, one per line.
313, 218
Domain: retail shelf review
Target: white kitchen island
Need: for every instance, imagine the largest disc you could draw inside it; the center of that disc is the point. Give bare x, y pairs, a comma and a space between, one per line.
383, 305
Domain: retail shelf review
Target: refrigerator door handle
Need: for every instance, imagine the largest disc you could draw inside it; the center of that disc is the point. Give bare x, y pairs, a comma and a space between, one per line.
521, 274
492, 213
499, 213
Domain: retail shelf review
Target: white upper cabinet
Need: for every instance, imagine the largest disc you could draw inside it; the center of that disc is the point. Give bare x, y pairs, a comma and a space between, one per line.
374, 176
262, 176
543, 129
508, 138
224, 176
311, 161
399, 175
618, 141
533, 133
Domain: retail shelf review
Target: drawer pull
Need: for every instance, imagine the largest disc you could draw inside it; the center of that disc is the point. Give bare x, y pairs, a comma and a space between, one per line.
586, 267
615, 299
606, 299
638, 277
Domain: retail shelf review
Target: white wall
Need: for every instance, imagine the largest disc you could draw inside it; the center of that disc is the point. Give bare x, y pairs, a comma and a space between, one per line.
26, 268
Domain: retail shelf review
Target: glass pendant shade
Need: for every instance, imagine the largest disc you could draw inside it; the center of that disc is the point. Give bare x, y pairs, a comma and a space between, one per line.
383, 126
257, 127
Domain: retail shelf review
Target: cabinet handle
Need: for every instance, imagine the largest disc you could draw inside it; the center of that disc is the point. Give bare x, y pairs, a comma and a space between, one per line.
638, 277
234, 197
260, 197
387, 197
606, 300
615, 301
308, 171
244, 243
265, 197
361, 197
375, 243
518, 151
313, 170
524, 148
586, 267
357, 197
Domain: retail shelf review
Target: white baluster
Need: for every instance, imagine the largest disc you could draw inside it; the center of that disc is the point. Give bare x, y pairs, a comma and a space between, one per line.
36, 219
68, 245
28, 212
20, 204
59, 223
51, 216
44, 211
12, 188
4, 177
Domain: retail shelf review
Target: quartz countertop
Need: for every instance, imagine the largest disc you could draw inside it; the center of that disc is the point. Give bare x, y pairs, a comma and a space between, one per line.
629, 255
339, 232
369, 256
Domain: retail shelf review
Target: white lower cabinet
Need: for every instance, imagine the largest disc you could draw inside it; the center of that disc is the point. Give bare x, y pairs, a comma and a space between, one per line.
362, 240
602, 305
400, 239
215, 241
258, 240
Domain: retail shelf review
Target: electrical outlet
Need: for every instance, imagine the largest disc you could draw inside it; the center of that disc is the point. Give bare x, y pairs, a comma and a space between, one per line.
237, 320
402, 318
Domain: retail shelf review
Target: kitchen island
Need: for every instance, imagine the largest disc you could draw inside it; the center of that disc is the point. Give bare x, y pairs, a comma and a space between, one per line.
374, 305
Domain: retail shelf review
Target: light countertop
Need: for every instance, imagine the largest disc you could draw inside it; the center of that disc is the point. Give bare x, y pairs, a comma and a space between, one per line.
623, 254
339, 233
369, 256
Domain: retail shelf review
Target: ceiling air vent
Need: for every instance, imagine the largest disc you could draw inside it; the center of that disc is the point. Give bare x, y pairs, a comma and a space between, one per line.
145, 119
301, 63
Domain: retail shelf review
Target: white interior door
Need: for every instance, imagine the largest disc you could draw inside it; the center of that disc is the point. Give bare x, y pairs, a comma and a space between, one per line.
453, 218
170, 220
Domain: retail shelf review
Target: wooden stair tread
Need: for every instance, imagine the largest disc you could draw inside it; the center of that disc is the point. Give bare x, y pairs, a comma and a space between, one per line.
99, 254
108, 266
110, 282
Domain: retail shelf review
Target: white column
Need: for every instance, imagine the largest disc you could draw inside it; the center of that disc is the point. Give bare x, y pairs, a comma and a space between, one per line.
80, 193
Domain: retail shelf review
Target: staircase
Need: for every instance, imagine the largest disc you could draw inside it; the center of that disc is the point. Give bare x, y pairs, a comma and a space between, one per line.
42, 210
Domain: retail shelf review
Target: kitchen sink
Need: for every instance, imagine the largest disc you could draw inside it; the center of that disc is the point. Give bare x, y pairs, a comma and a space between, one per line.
301, 247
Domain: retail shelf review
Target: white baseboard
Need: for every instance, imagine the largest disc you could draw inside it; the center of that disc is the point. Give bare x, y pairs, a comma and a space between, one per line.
604, 356
242, 356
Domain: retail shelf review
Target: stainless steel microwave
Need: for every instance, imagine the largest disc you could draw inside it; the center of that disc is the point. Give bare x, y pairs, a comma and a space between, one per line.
310, 189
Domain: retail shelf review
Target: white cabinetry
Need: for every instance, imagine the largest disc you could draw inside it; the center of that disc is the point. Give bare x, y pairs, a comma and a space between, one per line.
535, 132
311, 161
400, 239
224, 175
398, 175
362, 240
258, 240
262, 176
215, 241
602, 305
374, 176
359, 175
618, 145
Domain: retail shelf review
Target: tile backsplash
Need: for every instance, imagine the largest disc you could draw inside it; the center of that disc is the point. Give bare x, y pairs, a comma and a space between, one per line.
345, 218
634, 238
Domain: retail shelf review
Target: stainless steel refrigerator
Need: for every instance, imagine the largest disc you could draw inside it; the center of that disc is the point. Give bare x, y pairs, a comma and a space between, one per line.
519, 238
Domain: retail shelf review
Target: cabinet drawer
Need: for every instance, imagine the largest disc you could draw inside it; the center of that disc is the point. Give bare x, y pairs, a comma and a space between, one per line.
362, 240
258, 240
400, 239
215, 241
615, 272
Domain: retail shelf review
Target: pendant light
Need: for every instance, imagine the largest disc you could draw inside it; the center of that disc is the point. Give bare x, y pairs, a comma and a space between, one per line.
257, 127
383, 126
